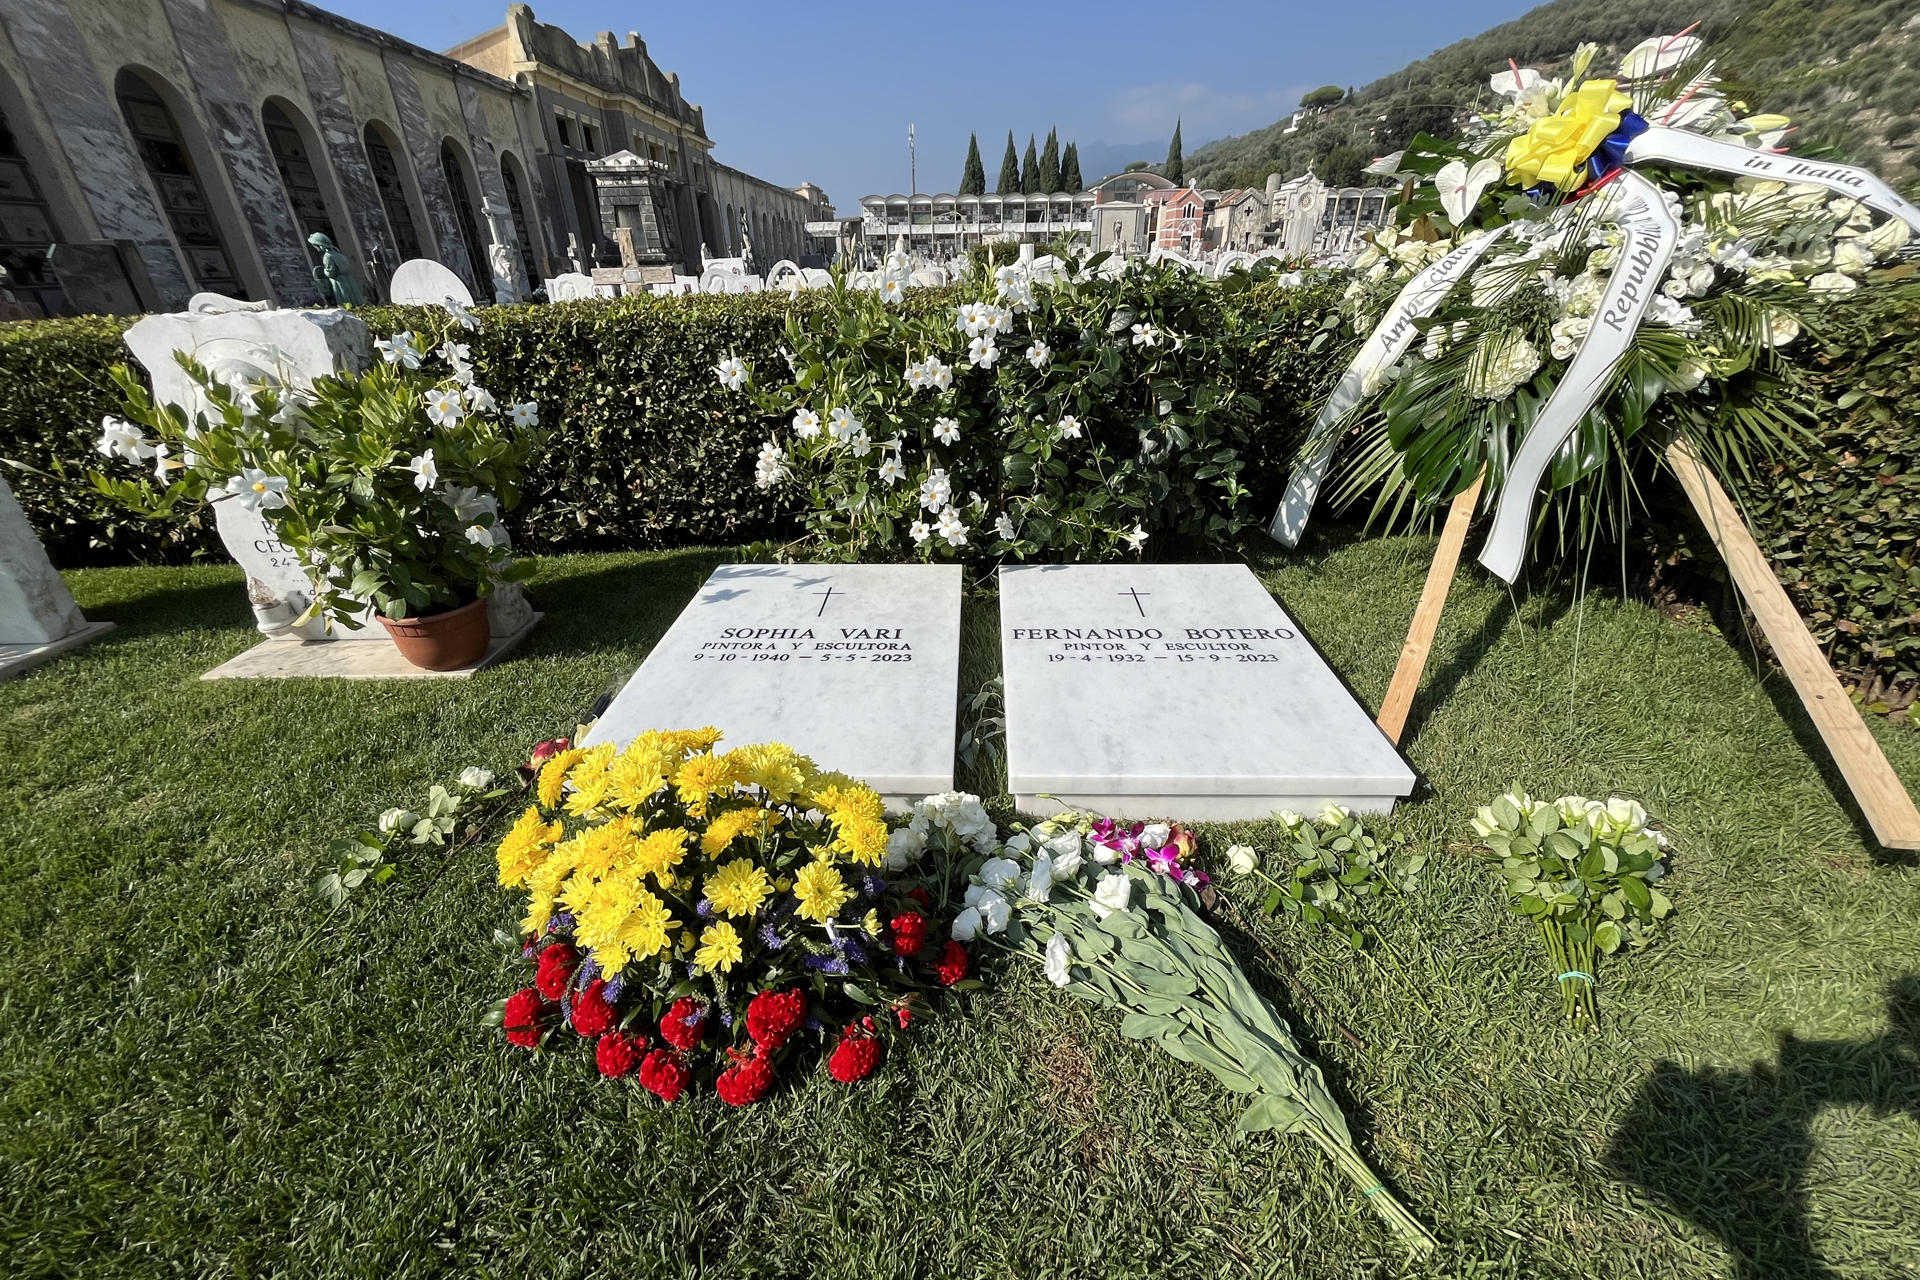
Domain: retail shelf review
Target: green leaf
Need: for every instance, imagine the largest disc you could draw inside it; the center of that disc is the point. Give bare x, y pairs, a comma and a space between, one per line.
1270, 1111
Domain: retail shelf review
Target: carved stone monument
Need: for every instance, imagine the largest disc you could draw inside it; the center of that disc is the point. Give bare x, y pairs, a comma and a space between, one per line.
38, 616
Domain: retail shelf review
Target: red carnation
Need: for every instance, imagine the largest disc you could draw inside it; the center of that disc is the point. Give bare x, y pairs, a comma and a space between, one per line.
920, 895
747, 1080
525, 1012
663, 1072
909, 934
953, 964
855, 1057
617, 1053
772, 1016
684, 1023
904, 1015
593, 1013
557, 964
550, 748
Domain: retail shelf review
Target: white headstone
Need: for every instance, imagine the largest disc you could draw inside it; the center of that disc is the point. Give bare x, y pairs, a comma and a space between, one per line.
569, 286
856, 665
1177, 691
424, 282
35, 605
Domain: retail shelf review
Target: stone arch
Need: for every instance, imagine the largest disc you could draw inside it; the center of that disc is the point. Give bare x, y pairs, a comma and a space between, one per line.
179, 166
388, 158
465, 192
300, 157
513, 179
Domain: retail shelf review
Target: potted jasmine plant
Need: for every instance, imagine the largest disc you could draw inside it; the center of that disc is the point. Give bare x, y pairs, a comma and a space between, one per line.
388, 486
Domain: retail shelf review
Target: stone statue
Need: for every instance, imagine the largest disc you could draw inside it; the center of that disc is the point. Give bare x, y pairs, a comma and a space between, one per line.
506, 274
334, 275
746, 246
6, 282
574, 255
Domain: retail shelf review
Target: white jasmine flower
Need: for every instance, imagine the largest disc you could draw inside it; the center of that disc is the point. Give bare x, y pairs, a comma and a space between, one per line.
444, 408
1004, 527
952, 528
120, 438
946, 430
982, 353
806, 424
426, 472
1038, 354
458, 310
474, 778
920, 531
1059, 952
842, 425
1113, 893
1241, 859
1145, 335
258, 491
1069, 427
399, 349
893, 291
1136, 539
936, 491
732, 373
770, 468
891, 471
525, 414
480, 400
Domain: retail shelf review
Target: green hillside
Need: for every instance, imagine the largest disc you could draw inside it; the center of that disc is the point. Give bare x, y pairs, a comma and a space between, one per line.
1847, 71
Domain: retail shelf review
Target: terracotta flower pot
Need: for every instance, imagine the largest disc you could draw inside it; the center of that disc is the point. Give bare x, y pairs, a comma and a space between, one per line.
443, 641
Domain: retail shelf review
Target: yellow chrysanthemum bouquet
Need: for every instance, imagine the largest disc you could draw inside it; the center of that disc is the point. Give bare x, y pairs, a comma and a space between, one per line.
727, 899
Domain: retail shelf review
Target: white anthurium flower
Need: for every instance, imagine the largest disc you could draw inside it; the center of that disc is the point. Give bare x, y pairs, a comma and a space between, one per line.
732, 373
946, 430
966, 924
458, 310
1059, 955
891, 471
1145, 335
525, 414
120, 438
1069, 427
444, 408
941, 374
1826, 282
806, 424
920, 531
1136, 539
1040, 883
399, 349
1113, 893
1065, 851
981, 352
1039, 353
1658, 55
893, 291
481, 400
1004, 527
1386, 166
426, 472
999, 873
1156, 834
1514, 83
474, 778
1460, 188
770, 468
258, 491
952, 528
1241, 859
842, 425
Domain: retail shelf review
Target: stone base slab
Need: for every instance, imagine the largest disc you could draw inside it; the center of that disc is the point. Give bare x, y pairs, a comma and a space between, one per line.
16, 658
285, 659
1196, 808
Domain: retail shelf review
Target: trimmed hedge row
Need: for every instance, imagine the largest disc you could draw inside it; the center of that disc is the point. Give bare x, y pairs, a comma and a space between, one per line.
650, 451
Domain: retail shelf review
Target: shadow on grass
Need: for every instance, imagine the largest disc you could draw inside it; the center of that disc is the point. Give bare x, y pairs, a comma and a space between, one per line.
1729, 1150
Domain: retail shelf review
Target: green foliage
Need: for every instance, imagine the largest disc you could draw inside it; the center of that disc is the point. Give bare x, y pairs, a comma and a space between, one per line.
1325, 96
1070, 179
1175, 169
1338, 865
1050, 163
1009, 181
1030, 170
973, 177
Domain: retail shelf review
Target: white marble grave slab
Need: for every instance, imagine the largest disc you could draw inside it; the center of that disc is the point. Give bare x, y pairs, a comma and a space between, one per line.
1177, 691
856, 665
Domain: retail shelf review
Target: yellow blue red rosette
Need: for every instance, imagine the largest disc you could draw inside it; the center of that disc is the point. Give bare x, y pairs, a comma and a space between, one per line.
1555, 151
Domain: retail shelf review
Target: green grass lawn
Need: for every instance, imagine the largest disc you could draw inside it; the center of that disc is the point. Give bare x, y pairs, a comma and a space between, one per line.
204, 1074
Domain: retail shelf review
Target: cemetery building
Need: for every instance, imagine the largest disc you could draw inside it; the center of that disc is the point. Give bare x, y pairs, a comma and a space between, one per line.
154, 149
946, 225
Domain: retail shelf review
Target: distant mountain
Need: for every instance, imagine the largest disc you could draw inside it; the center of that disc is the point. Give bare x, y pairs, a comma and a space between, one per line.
1846, 71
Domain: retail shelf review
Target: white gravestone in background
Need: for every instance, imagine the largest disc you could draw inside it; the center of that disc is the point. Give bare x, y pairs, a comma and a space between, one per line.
1177, 691
291, 348
425, 283
856, 665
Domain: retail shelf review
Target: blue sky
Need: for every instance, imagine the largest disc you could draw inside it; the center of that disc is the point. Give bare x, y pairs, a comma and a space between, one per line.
797, 91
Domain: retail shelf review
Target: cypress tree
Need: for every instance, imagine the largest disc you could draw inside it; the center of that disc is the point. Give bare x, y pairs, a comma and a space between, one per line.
1070, 179
1176, 168
973, 177
1050, 164
1009, 183
1030, 169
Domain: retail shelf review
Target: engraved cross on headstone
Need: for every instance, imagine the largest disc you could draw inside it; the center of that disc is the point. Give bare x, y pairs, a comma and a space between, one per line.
1136, 594
825, 597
